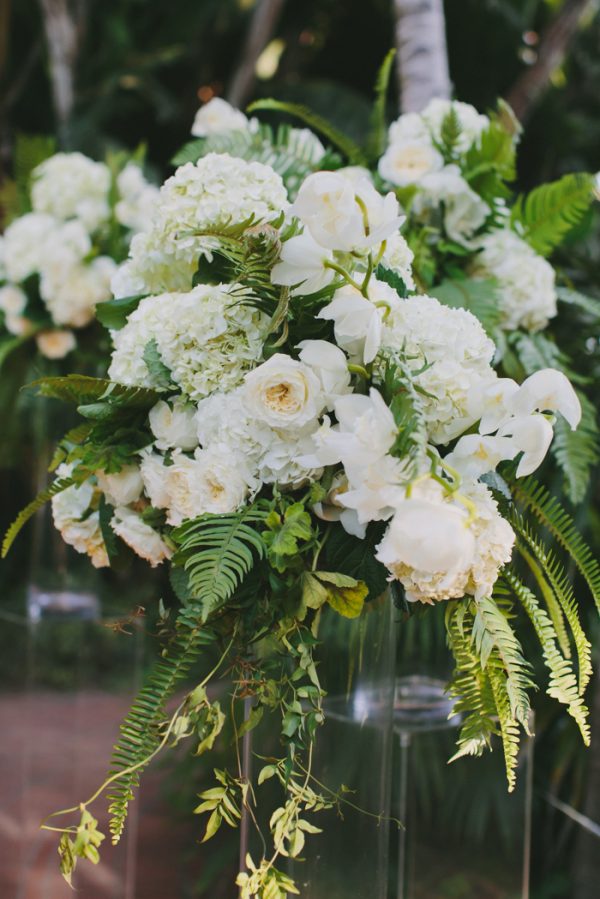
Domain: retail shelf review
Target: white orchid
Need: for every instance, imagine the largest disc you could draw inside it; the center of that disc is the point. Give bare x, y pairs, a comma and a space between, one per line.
531, 435
547, 390
357, 323
475, 454
302, 265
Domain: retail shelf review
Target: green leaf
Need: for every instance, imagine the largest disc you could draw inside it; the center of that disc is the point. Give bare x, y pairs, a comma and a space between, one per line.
113, 314
351, 555
314, 594
212, 826
577, 452
285, 534
570, 297
377, 137
83, 390
478, 296
337, 138
344, 594
547, 214
392, 278
29, 511
254, 718
158, 371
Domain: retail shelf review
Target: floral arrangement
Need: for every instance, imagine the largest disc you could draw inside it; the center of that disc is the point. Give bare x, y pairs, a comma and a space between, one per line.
297, 428
72, 219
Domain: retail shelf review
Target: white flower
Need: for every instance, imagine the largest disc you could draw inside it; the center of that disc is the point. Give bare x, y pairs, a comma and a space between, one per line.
218, 116
475, 454
457, 351
174, 425
55, 344
464, 210
547, 390
526, 282
155, 477
302, 265
82, 533
284, 393
531, 435
472, 123
489, 402
123, 487
332, 510
137, 198
357, 323
330, 366
13, 300
374, 490
139, 536
408, 161
219, 190
398, 257
215, 481
494, 541
306, 143
71, 293
430, 548
69, 185
19, 325
204, 338
24, 240
281, 460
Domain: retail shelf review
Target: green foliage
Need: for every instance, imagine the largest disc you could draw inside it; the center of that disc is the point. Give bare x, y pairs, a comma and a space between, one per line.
406, 404
350, 555
217, 552
547, 214
590, 305
85, 845
343, 593
29, 511
449, 134
477, 296
285, 535
490, 162
377, 136
85, 391
577, 452
158, 371
336, 138
223, 802
113, 314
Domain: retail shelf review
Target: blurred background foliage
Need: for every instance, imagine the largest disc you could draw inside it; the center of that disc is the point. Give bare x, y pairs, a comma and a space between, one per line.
139, 71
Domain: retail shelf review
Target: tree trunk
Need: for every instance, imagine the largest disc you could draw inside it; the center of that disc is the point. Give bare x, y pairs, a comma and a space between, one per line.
63, 32
554, 44
422, 60
263, 24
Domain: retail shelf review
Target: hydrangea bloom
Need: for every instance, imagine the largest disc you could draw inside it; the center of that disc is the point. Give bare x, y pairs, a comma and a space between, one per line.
70, 185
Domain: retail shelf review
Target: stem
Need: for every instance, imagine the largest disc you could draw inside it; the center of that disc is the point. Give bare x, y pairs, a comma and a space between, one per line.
342, 271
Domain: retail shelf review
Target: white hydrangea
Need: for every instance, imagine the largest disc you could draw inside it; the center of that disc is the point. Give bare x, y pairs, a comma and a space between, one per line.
70, 185
457, 352
139, 536
526, 281
137, 199
464, 210
494, 540
218, 190
24, 240
218, 116
472, 123
13, 300
71, 293
398, 257
83, 534
205, 338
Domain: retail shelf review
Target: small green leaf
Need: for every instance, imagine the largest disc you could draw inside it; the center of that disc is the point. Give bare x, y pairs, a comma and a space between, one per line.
113, 314
212, 826
314, 594
160, 374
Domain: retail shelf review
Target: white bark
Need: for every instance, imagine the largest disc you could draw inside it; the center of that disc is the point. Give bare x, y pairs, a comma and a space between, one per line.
422, 58
62, 37
263, 24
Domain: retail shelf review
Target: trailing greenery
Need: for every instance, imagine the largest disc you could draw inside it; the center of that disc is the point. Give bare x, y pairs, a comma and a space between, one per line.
29, 511
549, 212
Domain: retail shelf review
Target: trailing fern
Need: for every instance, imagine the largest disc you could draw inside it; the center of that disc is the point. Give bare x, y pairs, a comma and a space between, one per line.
548, 213
29, 511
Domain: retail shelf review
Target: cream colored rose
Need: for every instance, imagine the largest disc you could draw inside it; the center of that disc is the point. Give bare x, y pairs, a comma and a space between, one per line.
284, 393
55, 344
216, 481
407, 162
174, 426
122, 487
140, 537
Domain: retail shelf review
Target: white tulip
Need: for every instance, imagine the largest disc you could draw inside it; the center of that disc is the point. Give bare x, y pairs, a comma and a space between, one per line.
302, 265
547, 390
531, 435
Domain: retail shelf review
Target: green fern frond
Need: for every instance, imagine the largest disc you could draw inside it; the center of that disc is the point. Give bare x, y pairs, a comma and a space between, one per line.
590, 305
509, 728
492, 632
29, 511
551, 515
545, 564
217, 552
83, 390
336, 138
378, 126
406, 405
478, 296
537, 351
547, 214
577, 452
141, 729
563, 683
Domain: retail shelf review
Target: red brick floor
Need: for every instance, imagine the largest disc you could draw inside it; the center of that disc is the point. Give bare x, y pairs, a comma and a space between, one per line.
54, 749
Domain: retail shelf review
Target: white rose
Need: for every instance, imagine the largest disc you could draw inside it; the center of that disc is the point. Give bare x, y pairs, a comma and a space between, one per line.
218, 116
408, 162
155, 477
55, 344
140, 537
122, 487
13, 300
302, 265
216, 481
79, 529
284, 393
174, 426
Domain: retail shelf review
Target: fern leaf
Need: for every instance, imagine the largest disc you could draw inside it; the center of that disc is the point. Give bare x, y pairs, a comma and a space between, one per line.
217, 552
563, 683
141, 729
549, 212
29, 511
570, 297
509, 729
83, 390
378, 127
337, 138
576, 452
551, 515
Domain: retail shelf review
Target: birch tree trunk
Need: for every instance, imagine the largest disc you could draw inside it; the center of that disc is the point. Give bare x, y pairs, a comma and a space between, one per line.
62, 26
263, 24
422, 58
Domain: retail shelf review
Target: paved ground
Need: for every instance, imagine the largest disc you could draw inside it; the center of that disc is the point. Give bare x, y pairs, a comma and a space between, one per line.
53, 753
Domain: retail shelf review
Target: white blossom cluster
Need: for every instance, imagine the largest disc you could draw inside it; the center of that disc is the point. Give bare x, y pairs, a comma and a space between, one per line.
59, 240
235, 419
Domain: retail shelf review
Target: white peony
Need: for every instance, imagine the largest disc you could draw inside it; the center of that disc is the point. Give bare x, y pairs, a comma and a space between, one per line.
69, 185
526, 282
302, 265
284, 393
203, 337
82, 533
174, 425
55, 344
218, 191
122, 487
457, 352
218, 116
137, 199
139, 536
